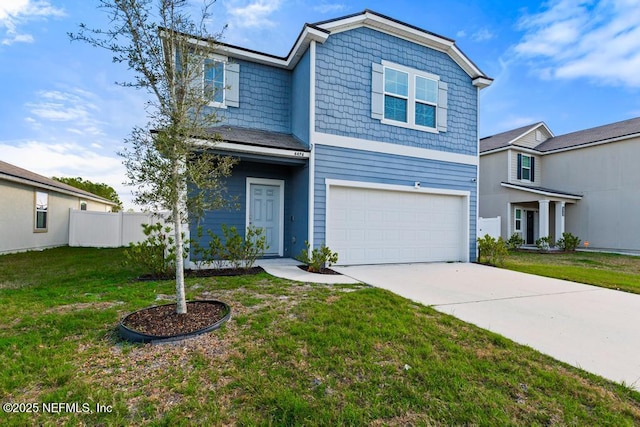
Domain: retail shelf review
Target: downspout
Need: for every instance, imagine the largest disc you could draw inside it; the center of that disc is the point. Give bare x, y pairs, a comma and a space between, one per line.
477, 167
312, 133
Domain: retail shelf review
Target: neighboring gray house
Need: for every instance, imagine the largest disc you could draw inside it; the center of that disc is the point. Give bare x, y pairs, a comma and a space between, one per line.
34, 210
364, 137
585, 182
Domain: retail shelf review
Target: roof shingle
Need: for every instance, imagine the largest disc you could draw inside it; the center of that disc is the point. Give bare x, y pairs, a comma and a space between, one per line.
17, 172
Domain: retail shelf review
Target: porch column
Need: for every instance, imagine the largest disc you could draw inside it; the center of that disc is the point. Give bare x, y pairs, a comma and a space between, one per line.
544, 218
559, 219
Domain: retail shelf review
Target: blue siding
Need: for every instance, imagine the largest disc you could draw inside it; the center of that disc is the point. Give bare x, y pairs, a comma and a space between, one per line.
366, 166
295, 203
300, 99
343, 91
299, 219
265, 99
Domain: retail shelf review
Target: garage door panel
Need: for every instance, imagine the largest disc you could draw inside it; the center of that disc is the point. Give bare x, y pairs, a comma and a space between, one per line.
369, 226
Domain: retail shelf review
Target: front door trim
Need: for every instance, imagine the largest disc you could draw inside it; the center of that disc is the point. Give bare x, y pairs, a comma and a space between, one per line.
275, 182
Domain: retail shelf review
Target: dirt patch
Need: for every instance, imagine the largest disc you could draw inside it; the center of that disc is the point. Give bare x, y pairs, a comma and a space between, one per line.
322, 270
206, 272
163, 321
83, 306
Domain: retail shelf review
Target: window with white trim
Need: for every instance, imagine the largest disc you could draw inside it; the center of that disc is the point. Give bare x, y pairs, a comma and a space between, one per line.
518, 220
213, 81
410, 97
525, 167
406, 97
41, 211
216, 77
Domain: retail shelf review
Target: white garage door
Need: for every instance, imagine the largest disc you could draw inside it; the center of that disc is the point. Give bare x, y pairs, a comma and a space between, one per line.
372, 226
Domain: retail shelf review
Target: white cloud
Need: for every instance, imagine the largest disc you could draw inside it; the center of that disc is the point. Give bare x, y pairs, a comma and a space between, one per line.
75, 105
67, 160
15, 13
329, 7
482, 35
252, 14
599, 40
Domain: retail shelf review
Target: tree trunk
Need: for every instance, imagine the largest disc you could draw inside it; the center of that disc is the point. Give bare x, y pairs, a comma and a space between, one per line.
181, 302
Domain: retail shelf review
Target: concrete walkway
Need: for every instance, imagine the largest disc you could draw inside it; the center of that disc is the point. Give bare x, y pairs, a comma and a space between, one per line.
592, 328
287, 268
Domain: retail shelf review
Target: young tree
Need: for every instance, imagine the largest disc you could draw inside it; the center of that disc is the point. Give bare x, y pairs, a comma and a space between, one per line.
97, 188
166, 50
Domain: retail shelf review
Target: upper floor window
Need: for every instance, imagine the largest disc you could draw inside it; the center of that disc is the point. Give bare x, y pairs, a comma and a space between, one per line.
213, 81
526, 167
216, 78
406, 97
41, 211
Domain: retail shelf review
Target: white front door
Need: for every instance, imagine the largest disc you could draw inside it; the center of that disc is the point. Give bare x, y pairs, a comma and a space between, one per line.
264, 212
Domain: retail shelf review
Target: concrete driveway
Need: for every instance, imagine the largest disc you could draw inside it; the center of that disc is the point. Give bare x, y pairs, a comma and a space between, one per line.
592, 328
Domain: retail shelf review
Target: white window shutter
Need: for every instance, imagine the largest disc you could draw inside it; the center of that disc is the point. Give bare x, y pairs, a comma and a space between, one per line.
377, 91
443, 88
232, 74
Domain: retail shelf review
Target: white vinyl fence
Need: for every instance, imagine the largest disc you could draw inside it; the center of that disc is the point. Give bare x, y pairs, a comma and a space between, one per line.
490, 226
106, 229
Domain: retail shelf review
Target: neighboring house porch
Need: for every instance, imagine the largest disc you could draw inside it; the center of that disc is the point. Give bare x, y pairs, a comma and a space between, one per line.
537, 212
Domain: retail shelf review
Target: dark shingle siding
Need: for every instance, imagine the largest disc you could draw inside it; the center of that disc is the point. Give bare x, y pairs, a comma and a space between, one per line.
503, 139
257, 137
17, 172
588, 136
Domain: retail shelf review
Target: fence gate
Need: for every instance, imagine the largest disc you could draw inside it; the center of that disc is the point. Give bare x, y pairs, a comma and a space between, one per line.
490, 226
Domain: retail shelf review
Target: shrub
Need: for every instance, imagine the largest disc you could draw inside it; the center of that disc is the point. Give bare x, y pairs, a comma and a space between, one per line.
254, 246
544, 243
320, 259
241, 253
568, 242
211, 255
156, 255
515, 241
492, 250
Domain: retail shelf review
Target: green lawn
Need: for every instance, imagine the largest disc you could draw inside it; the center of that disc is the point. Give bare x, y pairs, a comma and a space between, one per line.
292, 354
600, 269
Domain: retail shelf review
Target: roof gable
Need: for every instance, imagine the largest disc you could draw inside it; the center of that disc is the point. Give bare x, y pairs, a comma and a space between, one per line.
511, 137
379, 22
320, 31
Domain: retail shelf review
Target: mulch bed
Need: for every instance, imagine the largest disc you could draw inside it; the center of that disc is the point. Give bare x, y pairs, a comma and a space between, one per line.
322, 271
163, 321
208, 272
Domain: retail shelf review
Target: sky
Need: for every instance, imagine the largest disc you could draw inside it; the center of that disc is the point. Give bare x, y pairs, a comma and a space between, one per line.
573, 64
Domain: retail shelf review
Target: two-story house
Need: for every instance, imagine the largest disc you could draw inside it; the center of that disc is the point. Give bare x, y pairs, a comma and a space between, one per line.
364, 138
581, 182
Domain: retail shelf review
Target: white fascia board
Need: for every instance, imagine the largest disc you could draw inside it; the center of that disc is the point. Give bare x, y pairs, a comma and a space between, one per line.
302, 43
528, 131
544, 125
410, 34
482, 82
252, 149
394, 187
516, 148
394, 149
541, 192
54, 189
